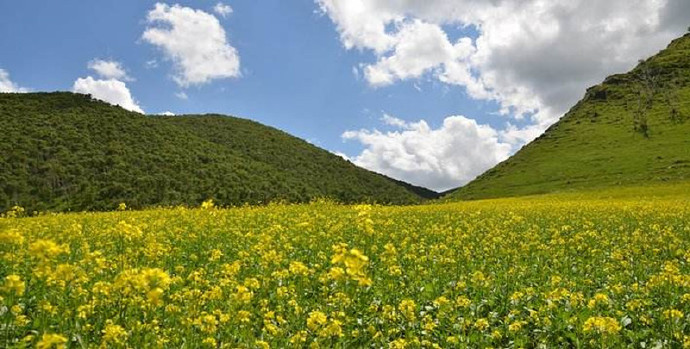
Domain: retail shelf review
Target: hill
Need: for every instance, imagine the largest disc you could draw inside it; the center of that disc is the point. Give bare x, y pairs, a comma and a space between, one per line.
63, 151
633, 129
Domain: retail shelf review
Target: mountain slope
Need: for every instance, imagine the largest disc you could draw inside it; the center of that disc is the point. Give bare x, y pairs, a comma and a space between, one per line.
633, 128
62, 151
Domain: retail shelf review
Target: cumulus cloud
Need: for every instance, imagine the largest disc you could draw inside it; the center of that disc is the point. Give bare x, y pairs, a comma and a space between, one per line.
108, 90
109, 69
167, 113
6, 85
194, 41
535, 58
440, 158
222, 9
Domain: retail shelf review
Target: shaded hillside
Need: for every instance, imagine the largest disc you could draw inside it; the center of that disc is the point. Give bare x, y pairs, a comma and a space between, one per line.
62, 151
634, 128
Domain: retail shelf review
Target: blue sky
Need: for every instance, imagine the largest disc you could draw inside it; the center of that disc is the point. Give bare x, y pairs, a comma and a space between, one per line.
296, 76
303, 69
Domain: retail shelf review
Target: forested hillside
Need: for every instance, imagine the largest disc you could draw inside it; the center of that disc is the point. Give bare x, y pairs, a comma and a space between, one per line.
63, 151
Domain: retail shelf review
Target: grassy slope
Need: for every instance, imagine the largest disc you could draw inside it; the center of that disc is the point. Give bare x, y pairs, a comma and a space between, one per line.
675, 191
596, 145
62, 151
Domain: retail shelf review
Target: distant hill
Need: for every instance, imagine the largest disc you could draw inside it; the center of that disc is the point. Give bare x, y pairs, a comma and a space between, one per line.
633, 129
63, 151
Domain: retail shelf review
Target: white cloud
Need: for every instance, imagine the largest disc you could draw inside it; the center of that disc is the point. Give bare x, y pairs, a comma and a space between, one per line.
421, 47
534, 57
6, 85
108, 90
439, 159
222, 9
393, 121
167, 113
181, 95
109, 69
194, 41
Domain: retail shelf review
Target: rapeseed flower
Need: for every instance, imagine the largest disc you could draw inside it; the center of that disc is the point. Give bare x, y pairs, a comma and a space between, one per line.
51, 341
14, 284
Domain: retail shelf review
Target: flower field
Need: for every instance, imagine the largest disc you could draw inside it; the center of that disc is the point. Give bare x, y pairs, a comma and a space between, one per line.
501, 273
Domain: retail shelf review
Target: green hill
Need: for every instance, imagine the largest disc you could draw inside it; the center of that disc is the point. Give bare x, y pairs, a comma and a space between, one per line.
633, 129
63, 151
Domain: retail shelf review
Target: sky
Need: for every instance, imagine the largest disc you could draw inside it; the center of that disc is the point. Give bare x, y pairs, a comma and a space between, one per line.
432, 92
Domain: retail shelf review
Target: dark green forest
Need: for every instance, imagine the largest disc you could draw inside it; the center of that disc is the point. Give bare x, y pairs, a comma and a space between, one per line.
68, 152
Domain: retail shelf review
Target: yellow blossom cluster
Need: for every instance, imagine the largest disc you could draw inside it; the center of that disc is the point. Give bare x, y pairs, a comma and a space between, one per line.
507, 273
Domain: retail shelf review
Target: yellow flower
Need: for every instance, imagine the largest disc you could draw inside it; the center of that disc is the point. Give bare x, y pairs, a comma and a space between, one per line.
598, 298
209, 341
481, 324
243, 294
462, 301
114, 334
156, 278
244, 316
154, 296
399, 343
332, 329
14, 284
262, 344
128, 232
395, 270
516, 326
356, 260
298, 268
122, 206
47, 307
298, 338
207, 205
516, 296
207, 323
408, 307
602, 325
46, 249
478, 277
673, 314
51, 340
252, 283
11, 237
429, 324
316, 319
441, 301
215, 255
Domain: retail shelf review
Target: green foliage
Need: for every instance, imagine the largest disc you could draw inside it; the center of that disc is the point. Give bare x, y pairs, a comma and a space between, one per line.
630, 130
63, 151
